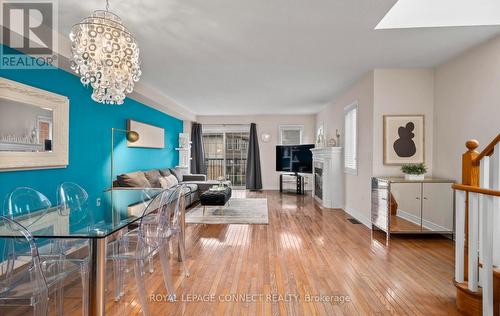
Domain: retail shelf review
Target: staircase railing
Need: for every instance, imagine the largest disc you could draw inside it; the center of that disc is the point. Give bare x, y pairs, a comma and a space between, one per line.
477, 238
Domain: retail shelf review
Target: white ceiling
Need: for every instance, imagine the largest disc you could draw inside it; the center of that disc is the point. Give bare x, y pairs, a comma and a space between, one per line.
230, 57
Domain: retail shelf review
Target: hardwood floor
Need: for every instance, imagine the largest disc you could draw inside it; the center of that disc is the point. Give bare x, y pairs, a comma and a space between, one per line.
305, 250
399, 224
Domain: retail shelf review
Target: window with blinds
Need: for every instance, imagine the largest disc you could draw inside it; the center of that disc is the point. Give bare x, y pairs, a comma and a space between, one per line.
291, 134
351, 139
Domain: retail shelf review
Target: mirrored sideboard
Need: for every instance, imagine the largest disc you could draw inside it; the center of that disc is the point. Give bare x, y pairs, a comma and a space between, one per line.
412, 207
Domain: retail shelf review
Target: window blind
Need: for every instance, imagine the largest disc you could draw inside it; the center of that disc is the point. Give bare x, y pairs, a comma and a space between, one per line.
350, 147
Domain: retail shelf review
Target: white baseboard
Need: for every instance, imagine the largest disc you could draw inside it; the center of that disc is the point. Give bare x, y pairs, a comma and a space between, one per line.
416, 220
357, 215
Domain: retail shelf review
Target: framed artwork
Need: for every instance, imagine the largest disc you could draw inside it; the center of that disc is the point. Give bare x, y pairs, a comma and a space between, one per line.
404, 139
150, 136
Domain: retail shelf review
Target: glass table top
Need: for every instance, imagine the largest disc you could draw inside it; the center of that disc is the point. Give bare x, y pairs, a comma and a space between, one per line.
112, 215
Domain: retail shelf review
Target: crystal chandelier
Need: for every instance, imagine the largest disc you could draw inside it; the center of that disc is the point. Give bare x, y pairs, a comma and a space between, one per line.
105, 55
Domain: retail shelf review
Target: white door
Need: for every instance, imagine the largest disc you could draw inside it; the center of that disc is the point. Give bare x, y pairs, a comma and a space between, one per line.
437, 211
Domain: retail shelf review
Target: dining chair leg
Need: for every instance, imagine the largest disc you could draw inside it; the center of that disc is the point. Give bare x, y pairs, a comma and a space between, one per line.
204, 207
117, 270
60, 289
141, 286
151, 265
40, 308
182, 250
167, 273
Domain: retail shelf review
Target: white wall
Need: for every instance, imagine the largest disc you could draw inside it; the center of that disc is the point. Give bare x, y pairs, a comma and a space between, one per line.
357, 187
467, 105
268, 124
402, 91
381, 92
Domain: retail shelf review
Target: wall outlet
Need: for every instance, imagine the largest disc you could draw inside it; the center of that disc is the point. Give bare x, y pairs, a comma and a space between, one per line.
98, 202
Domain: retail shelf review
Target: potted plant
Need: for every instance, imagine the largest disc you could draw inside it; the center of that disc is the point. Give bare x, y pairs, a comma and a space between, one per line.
414, 172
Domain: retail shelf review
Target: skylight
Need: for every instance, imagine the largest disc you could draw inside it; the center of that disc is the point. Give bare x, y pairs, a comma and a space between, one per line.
441, 13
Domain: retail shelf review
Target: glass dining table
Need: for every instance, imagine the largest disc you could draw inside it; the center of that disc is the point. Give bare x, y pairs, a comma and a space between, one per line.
118, 210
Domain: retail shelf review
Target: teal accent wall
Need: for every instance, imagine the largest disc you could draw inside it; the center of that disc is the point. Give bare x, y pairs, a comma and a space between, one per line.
90, 126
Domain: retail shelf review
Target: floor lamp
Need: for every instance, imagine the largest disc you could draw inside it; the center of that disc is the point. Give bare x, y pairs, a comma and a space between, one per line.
132, 137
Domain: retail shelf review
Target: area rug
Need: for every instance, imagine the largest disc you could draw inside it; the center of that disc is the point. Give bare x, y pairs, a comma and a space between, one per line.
237, 211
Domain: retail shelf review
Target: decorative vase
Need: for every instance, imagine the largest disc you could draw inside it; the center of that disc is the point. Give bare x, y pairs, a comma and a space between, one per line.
414, 177
332, 142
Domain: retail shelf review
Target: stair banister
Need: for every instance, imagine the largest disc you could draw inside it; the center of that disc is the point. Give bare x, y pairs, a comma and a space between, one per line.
477, 240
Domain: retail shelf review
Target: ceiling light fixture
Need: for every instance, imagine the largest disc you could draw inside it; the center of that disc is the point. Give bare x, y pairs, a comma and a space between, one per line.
105, 55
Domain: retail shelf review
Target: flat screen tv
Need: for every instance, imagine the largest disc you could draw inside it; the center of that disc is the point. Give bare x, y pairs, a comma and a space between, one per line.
294, 158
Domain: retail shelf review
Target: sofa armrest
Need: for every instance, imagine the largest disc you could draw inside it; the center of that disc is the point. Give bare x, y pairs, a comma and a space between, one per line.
194, 177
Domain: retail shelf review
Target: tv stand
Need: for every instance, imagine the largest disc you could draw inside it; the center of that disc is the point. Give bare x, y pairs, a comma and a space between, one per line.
300, 183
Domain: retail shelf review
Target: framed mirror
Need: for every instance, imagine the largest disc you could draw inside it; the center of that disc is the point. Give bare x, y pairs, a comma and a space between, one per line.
33, 127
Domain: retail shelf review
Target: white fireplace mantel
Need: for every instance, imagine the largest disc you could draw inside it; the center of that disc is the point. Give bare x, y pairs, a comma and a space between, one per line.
328, 188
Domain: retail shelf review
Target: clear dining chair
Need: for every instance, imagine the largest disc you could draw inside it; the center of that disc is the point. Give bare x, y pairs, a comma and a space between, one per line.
151, 237
176, 207
25, 279
26, 202
72, 201
33, 207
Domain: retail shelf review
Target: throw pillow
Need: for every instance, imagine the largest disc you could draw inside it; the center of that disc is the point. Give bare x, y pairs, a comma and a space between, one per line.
177, 173
168, 182
165, 172
133, 179
153, 177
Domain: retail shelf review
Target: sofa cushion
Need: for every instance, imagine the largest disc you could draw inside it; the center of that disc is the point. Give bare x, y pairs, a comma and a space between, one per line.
153, 177
133, 179
177, 173
168, 182
192, 187
164, 172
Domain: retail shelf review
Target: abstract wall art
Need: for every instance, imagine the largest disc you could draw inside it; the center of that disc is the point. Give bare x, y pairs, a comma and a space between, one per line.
404, 139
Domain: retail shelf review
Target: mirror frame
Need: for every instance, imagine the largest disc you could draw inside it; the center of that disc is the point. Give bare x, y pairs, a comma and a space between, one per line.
58, 157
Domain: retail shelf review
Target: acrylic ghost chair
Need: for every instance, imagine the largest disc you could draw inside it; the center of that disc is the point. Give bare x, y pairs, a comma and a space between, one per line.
26, 286
72, 201
152, 236
26, 279
33, 206
120, 267
173, 209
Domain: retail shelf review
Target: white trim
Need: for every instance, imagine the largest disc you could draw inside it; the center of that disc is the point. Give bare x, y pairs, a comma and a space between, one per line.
357, 215
425, 223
